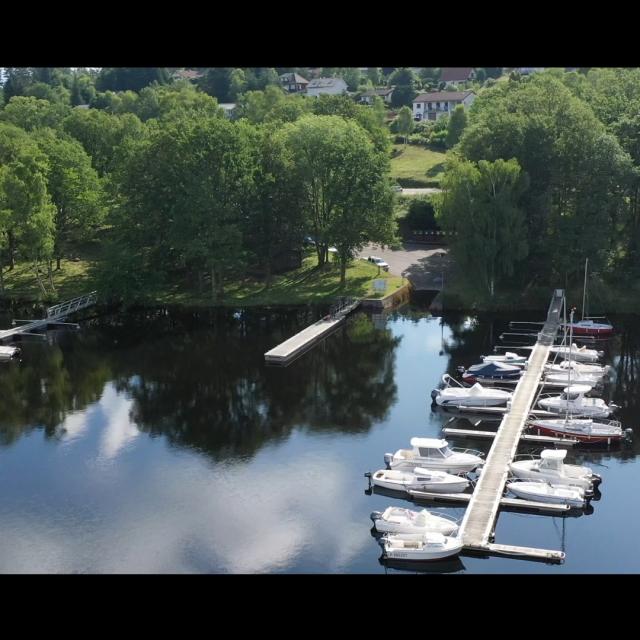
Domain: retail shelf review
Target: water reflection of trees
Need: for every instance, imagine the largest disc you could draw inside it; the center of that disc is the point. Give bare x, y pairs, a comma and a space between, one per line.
39, 391
210, 388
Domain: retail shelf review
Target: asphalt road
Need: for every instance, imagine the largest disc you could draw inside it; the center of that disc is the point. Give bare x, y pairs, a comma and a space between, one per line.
424, 265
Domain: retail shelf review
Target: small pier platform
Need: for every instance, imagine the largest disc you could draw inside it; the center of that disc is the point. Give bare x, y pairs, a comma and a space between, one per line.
296, 345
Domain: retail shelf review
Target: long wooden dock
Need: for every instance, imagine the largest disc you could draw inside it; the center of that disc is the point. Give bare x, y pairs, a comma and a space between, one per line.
479, 519
296, 345
55, 315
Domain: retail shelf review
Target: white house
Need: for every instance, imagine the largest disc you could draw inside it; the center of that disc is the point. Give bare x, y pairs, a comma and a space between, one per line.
330, 86
431, 106
368, 96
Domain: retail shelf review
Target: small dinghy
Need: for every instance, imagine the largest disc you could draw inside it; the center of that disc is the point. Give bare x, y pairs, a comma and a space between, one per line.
400, 520
572, 401
582, 429
491, 371
507, 358
571, 377
475, 396
430, 546
433, 453
546, 492
549, 467
419, 480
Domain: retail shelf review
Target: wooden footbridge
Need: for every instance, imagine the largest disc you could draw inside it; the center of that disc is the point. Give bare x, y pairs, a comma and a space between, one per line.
479, 520
55, 316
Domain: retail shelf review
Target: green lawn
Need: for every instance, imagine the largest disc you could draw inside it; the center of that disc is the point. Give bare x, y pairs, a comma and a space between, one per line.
301, 286
417, 166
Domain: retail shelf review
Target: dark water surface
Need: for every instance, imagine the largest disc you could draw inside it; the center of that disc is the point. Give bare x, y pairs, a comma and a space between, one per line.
160, 442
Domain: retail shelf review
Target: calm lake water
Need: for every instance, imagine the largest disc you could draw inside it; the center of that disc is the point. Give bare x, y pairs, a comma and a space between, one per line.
160, 442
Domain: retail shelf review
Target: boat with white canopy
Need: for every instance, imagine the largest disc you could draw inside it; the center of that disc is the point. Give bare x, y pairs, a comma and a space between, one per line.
573, 402
581, 368
401, 520
434, 453
550, 467
584, 430
508, 357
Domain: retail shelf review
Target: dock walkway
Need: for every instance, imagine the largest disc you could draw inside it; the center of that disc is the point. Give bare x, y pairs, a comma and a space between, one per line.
479, 519
55, 314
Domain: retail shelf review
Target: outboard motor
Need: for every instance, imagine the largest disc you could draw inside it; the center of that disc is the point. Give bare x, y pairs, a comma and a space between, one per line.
434, 394
628, 434
388, 457
375, 515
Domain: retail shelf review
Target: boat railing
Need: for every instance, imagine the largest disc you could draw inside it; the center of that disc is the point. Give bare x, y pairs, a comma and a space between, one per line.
474, 452
525, 456
448, 379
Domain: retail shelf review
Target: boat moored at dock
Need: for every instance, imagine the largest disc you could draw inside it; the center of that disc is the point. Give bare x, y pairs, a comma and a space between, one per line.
434, 453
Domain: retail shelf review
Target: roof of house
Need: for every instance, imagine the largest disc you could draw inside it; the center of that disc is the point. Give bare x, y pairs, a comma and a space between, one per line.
456, 74
324, 83
379, 92
227, 106
453, 96
293, 77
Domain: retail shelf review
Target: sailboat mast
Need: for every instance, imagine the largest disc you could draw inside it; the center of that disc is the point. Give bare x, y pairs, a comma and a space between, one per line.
566, 417
584, 291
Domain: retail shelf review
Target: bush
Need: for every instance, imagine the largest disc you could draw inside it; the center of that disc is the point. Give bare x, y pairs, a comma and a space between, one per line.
439, 139
418, 139
421, 215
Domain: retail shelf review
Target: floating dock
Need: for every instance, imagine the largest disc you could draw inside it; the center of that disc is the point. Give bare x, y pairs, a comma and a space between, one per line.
478, 523
473, 433
298, 344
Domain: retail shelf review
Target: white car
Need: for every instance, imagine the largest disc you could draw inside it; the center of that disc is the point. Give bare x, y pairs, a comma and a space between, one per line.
379, 262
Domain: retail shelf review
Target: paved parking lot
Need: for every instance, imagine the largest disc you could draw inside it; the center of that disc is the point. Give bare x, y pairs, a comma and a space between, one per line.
423, 265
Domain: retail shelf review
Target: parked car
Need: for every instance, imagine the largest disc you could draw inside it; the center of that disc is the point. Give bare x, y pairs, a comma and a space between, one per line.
379, 262
308, 242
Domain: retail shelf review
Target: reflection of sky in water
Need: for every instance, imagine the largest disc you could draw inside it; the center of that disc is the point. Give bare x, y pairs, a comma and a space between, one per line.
104, 496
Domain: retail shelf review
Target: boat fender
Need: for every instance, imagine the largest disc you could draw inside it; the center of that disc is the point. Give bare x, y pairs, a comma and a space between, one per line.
388, 457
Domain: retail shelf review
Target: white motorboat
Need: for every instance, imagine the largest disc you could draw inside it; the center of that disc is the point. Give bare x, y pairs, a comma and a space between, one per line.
419, 480
475, 396
434, 453
431, 546
582, 429
400, 520
579, 368
547, 492
7, 353
507, 358
550, 467
569, 377
582, 354
572, 401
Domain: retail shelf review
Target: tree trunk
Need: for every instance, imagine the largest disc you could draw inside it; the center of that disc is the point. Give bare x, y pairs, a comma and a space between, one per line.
58, 258
1, 273
12, 245
40, 283
50, 274
343, 271
213, 284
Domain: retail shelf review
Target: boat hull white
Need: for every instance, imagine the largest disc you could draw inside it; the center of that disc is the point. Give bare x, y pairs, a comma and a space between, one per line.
397, 548
527, 470
542, 492
398, 520
582, 430
387, 480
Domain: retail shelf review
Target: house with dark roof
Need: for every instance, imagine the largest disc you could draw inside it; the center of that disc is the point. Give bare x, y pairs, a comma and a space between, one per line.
432, 106
454, 75
330, 86
384, 93
293, 82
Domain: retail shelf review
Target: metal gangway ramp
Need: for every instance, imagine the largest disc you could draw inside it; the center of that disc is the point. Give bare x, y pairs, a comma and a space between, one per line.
55, 314
479, 519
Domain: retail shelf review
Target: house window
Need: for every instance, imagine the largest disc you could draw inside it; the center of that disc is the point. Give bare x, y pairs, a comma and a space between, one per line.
429, 105
418, 105
446, 106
